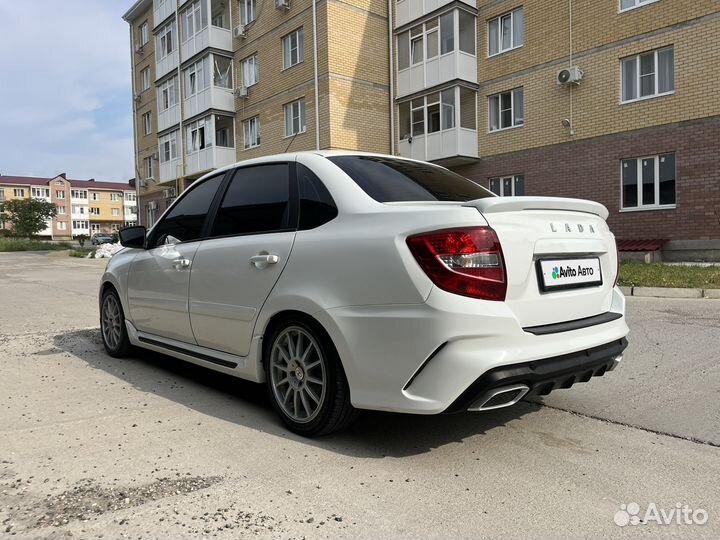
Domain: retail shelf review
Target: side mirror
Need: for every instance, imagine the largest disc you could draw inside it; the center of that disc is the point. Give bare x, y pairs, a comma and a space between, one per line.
133, 237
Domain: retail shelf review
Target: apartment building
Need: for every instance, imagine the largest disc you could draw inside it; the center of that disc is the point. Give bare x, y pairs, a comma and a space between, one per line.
83, 206
610, 100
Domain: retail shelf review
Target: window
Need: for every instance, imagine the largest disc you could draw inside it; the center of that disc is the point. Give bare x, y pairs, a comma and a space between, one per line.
257, 200
148, 161
194, 19
168, 94
18, 192
165, 41
648, 75
147, 123
508, 186
95, 196
251, 132
506, 32
95, 227
59, 183
293, 48
224, 131
145, 74
59, 193
144, 33
436, 37
40, 192
648, 182
82, 225
250, 70
94, 211
168, 147
115, 197
78, 209
396, 180
247, 11
115, 211
130, 197
507, 110
184, 222
79, 194
632, 4
295, 118
429, 114
316, 204
198, 135
61, 225
222, 72
197, 77
60, 209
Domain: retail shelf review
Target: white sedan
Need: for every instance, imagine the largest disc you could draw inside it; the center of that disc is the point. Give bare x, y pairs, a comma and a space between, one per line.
349, 281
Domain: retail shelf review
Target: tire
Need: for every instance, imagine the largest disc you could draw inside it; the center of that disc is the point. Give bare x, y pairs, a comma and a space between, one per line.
305, 379
112, 325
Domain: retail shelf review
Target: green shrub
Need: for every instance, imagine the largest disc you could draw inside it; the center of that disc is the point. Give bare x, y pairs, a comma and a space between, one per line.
22, 244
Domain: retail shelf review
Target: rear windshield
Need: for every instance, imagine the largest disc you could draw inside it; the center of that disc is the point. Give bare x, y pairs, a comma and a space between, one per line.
398, 180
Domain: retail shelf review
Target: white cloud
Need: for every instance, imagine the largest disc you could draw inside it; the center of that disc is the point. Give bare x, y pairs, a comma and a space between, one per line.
65, 91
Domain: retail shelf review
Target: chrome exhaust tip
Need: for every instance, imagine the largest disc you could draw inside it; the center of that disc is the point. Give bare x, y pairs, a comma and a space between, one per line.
616, 361
505, 396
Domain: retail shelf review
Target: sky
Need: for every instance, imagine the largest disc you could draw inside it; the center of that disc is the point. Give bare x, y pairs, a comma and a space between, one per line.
65, 90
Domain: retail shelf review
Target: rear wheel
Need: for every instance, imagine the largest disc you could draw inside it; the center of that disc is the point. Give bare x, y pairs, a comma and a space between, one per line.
112, 325
305, 379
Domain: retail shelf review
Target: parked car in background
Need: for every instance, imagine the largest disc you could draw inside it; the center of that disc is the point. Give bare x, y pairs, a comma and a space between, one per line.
349, 281
102, 238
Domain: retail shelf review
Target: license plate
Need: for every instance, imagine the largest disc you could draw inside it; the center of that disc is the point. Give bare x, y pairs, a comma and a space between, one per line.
558, 274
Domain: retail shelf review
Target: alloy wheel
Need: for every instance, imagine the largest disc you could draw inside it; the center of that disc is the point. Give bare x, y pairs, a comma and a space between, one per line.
111, 321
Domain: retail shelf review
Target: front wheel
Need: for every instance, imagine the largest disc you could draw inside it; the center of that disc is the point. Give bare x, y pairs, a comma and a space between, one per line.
112, 325
305, 379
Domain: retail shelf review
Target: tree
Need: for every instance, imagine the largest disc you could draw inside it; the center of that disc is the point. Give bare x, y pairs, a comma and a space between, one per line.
29, 216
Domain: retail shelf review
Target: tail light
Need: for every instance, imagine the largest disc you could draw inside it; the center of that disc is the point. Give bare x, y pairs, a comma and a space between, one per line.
617, 266
466, 261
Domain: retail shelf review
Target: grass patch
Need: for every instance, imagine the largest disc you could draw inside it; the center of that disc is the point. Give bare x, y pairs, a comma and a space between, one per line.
665, 275
82, 253
19, 244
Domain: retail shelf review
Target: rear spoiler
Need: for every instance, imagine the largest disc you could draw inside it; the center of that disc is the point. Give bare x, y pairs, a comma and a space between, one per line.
494, 205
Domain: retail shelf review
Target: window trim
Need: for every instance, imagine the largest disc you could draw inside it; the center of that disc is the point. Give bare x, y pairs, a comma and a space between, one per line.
512, 110
638, 76
256, 64
512, 32
145, 82
303, 129
638, 5
147, 123
300, 47
513, 177
648, 207
256, 118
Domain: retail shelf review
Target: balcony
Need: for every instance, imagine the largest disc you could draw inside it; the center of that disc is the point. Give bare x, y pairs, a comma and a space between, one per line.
208, 159
169, 117
433, 128
162, 9
216, 34
435, 71
206, 151
410, 10
170, 170
167, 64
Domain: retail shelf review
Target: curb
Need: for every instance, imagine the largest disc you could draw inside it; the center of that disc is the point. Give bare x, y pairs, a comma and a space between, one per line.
670, 292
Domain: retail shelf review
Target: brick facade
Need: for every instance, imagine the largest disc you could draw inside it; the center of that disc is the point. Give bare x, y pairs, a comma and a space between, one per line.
590, 169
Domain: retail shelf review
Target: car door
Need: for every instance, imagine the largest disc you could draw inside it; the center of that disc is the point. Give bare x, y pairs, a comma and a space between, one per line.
238, 265
159, 277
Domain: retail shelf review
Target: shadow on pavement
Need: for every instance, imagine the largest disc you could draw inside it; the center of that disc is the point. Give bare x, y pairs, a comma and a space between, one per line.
373, 435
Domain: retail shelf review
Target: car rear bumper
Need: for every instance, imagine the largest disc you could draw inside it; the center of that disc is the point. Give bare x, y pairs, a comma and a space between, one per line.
431, 358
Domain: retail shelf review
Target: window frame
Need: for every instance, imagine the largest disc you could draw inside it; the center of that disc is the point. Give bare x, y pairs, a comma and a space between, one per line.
145, 79
512, 110
196, 8
244, 19
172, 82
144, 34
636, 5
252, 59
258, 128
299, 34
638, 75
19, 190
513, 184
148, 167
161, 51
499, 20
147, 123
302, 117
656, 181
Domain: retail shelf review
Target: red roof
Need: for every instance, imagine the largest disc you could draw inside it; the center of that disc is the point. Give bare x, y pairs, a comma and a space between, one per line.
81, 184
640, 245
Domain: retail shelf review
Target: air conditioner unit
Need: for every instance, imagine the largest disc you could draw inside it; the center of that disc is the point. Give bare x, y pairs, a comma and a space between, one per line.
138, 49
282, 4
169, 193
239, 31
241, 91
571, 75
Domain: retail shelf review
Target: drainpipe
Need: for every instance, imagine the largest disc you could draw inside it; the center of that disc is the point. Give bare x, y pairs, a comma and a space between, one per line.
315, 62
391, 63
135, 135
181, 99
572, 124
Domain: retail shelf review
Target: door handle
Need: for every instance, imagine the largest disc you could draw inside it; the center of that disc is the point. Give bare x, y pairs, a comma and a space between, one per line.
181, 264
262, 260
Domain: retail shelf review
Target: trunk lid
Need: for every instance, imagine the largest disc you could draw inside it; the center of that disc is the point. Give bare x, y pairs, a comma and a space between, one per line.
557, 231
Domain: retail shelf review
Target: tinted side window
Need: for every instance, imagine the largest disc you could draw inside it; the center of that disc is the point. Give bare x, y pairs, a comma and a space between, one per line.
316, 204
396, 180
257, 200
185, 221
